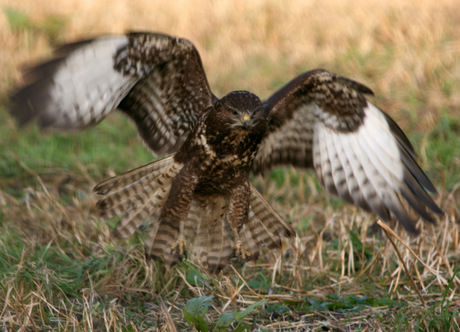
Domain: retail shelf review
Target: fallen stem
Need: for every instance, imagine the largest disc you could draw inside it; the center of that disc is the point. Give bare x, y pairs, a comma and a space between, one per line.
388, 233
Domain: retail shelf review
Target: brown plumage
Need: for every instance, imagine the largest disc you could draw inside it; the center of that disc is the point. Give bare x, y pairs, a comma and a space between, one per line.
199, 200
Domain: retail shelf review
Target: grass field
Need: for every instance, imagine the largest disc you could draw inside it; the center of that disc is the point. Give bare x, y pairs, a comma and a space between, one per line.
60, 269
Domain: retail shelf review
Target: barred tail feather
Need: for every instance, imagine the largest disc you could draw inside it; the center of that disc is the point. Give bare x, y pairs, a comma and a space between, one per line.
265, 224
264, 227
130, 190
221, 248
262, 236
166, 234
201, 243
131, 177
160, 240
149, 210
137, 195
248, 241
214, 242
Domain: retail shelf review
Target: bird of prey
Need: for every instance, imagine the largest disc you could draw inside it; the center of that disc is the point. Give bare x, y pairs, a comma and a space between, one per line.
200, 192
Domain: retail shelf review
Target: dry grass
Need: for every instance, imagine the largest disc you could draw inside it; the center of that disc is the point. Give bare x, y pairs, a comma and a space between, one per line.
64, 270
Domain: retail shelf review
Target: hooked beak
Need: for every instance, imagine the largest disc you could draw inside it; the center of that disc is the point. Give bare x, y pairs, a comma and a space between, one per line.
246, 121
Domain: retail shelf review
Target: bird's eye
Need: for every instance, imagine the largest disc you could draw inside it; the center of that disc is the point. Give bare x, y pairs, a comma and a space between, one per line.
234, 112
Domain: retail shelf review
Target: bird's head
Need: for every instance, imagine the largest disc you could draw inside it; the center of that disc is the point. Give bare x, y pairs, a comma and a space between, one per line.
241, 110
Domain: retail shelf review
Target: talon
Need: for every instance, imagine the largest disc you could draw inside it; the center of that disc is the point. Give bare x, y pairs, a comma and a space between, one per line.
180, 246
241, 252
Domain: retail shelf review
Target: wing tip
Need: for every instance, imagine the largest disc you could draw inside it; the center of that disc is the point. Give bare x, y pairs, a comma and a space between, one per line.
20, 108
31, 102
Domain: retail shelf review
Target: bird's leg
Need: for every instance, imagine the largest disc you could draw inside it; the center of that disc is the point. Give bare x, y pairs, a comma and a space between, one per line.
180, 246
240, 251
170, 239
238, 215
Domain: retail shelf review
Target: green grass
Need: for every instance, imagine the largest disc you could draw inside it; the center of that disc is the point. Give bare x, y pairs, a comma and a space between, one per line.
61, 270
88, 282
94, 149
443, 146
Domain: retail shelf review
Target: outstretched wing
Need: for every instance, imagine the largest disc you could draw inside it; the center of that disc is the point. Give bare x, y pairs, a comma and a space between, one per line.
157, 80
323, 121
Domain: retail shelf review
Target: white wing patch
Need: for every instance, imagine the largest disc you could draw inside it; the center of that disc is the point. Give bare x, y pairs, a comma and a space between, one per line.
363, 167
85, 86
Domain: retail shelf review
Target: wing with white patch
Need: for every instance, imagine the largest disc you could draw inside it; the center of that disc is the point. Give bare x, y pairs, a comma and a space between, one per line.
157, 80
323, 121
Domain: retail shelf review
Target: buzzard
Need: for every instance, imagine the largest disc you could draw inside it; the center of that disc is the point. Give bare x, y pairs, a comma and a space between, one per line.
201, 191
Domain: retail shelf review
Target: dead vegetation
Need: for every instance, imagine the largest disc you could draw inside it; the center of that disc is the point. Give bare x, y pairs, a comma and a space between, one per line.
60, 268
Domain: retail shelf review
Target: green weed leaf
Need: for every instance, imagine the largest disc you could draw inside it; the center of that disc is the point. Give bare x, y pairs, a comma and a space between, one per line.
225, 320
279, 309
194, 312
241, 315
242, 328
129, 328
195, 277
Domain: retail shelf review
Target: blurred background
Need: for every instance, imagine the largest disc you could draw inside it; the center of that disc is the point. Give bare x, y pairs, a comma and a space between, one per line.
407, 52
